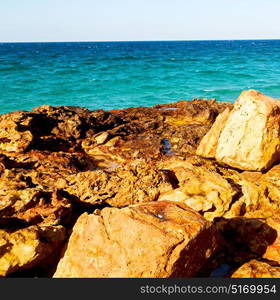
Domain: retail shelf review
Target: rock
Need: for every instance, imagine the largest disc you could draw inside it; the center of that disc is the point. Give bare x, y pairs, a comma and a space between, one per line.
257, 269
30, 203
174, 195
197, 111
129, 184
249, 139
29, 247
74, 123
201, 188
259, 195
246, 238
13, 138
101, 138
52, 128
140, 136
208, 144
156, 239
59, 162
273, 250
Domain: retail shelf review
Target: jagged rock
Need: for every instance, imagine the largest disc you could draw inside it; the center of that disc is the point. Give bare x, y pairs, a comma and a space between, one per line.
208, 145
197, 111
246, 238
157, 239
273, 250
140, 136
259, 195
123, 186
13, 137
29, 247
257, 269
57, 162
249, 139
52, 128
201, 188
23, 200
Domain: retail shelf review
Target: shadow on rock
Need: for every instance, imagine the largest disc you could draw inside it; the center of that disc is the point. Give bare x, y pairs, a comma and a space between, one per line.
242, 239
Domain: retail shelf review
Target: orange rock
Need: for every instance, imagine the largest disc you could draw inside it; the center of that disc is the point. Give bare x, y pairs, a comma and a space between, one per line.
129, 184
29, 247
256, 269
273, 250
156, 239
201, 187
12, 139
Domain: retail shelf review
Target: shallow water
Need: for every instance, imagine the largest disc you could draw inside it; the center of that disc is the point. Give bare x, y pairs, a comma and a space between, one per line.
124, 74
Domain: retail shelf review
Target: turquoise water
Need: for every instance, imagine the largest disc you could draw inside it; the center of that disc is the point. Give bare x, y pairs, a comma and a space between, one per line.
123, 74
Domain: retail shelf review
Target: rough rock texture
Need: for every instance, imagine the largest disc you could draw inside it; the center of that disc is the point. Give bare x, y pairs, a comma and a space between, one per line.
257, 269
157, 239
273, 250
250, 136
201, 188
208, 144
120, 187
57, 163
29, 247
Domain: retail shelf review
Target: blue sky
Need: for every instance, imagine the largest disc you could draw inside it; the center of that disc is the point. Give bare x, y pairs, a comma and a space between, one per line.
121, 20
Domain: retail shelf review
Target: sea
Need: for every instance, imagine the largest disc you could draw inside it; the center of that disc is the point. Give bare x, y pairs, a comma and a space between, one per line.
110, 75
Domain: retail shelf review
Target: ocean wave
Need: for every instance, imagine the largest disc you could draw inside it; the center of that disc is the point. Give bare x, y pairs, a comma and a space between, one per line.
140, 74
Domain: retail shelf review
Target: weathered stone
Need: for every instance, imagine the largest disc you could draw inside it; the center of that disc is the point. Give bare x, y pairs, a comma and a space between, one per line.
273, 250
13, 137
208, 144
57, 162
257, 269
157, 239
26, 201
29, 247
201, 188
140, 136
246, 238
123, 186
259, 195
250, 137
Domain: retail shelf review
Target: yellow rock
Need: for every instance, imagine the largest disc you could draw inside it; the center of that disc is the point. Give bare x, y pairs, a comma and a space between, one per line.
25, 248
256, 269
156, 240
250, 135
273, 250
201, 187
208, 144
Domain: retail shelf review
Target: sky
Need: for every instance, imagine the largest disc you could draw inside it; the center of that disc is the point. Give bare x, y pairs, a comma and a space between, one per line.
134, 20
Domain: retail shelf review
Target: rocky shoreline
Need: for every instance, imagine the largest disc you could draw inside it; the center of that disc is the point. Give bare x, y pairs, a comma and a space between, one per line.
186, 189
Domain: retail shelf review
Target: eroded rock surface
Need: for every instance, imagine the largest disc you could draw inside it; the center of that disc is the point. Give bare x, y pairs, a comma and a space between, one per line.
57, 163
249, 138
157, 239
29, 247
257, 269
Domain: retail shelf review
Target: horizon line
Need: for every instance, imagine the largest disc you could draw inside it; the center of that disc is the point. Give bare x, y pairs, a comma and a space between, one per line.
123, 41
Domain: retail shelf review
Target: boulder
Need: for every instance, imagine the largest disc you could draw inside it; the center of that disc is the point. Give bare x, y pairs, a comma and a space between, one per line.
208, 145
246, 238
201, 187
13, 135
29, 247
23, 200
256, 269
156, 239
250, 134
273, 250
